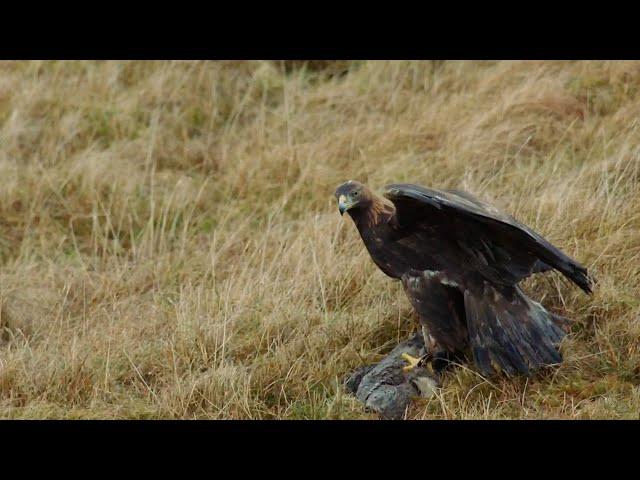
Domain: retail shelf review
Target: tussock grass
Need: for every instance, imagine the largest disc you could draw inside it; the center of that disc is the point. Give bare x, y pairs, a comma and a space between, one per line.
169, 246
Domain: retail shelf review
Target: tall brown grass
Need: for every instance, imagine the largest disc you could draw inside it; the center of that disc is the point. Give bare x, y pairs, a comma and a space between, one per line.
169, 246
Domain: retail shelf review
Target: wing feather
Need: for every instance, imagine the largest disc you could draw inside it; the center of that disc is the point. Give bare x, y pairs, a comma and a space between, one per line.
511, 240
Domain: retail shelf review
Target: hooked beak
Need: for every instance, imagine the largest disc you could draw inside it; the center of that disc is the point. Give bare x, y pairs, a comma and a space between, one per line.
343, 204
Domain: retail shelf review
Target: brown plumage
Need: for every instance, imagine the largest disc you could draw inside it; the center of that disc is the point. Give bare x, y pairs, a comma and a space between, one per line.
460, 260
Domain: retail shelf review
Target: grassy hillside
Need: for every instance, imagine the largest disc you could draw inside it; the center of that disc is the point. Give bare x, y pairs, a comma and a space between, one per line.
170, 247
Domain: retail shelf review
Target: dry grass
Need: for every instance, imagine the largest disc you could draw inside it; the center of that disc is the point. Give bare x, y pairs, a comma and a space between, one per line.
169, 246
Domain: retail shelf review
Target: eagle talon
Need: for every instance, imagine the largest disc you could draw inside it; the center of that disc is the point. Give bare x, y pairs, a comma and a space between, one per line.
413, 361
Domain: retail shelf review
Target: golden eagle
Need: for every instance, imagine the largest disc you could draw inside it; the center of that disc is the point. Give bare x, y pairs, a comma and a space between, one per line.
460, 261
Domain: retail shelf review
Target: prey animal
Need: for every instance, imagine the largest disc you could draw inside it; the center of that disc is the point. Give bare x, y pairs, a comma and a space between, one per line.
460, 261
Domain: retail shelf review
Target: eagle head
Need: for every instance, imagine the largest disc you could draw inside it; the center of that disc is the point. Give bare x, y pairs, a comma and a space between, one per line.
352, 194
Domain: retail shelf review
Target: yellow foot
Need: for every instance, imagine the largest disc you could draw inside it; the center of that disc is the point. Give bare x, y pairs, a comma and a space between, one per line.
413, 362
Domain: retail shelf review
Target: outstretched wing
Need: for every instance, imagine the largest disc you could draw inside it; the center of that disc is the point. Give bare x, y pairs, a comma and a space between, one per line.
505, 249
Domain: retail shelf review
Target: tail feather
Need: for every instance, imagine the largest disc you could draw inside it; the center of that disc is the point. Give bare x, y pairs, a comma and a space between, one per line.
511, 333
